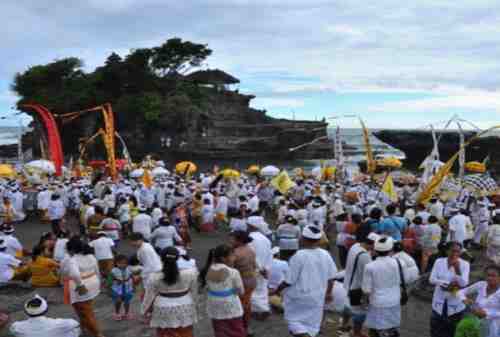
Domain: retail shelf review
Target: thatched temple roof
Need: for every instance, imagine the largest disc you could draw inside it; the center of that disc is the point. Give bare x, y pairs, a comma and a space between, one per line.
215, 76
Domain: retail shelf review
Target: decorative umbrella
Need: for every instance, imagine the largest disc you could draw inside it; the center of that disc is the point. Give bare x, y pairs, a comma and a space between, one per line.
391, 162
160, 171
137, 173
185, 167
42, 165
253, 169
270, 171
230, 174
475, 167
481, 182
7, 171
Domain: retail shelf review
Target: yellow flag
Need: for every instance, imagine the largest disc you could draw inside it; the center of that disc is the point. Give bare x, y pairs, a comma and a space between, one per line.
282, 182
146, 179
438, 178
371, 164
388, 188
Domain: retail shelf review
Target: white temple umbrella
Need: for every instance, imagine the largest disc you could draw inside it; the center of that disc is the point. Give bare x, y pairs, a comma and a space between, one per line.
42, 165
160, 171
269, 171
137, 173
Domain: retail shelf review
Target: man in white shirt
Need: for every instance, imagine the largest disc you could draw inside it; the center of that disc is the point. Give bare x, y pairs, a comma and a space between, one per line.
253, 202
147, 257
458, 224
308, 285
142, 223
103, 251
8, 264
14, 246
381, 282
483, 217
358, 257
56, 212
264, 256
38, 325
436, 208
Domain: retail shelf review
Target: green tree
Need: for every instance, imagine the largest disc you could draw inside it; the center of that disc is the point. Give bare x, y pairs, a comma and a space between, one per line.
177, 56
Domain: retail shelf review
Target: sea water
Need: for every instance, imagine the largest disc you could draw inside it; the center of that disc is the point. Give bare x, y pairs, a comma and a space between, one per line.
351, 137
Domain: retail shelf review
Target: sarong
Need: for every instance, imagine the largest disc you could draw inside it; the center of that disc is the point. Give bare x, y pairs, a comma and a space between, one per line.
229, 327
175, 332
444, 326
85, 312
207, 227
260, 296
302, 316
246, 303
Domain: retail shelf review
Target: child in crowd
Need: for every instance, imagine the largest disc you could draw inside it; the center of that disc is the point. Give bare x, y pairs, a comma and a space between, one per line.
122, 289
207, 216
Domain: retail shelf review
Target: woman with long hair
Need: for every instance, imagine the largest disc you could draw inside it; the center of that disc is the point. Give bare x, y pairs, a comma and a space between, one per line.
82, 271
171, 298
245, 262
224, 285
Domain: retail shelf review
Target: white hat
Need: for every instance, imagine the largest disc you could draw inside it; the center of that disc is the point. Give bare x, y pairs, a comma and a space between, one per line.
36, 306
102, 233
384, 244
254, 221
275, 250
311, 233
373, 237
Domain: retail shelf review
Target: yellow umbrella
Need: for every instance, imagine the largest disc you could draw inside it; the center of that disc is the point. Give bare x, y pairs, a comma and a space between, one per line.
253, 169
391, 162
475, 167
7, 171
185, 167
328, 173
230, 174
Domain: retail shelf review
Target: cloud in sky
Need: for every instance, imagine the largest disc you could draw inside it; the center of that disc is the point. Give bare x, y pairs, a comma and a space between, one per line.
298, 54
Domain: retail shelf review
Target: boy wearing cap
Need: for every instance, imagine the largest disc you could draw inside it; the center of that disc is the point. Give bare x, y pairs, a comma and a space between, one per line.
40, 325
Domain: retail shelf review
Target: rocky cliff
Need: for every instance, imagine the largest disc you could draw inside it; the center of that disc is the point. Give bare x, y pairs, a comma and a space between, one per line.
418, 144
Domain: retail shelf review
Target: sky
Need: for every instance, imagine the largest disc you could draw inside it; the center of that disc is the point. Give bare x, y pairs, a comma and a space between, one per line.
396, 64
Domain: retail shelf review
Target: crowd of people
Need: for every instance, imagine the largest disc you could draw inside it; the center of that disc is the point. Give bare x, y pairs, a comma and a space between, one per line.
321, 246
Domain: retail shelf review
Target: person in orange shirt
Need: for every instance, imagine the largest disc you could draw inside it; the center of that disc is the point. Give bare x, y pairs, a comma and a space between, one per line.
43, 270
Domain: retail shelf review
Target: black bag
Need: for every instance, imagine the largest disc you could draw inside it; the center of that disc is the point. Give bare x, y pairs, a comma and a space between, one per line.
355, 295
404, 293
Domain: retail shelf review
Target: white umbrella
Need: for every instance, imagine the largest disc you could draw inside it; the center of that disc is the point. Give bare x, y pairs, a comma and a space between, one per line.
42, 165
316, 172
160, 171
270, 171
137, 173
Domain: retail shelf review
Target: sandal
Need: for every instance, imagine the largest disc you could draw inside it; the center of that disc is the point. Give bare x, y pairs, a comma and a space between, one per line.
117, 317
129, 317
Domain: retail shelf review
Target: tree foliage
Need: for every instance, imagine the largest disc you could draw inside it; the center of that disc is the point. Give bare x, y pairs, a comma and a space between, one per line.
140, 85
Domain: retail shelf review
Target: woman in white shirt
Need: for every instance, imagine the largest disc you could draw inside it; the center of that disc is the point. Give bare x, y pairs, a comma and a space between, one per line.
288, 235
82, 270
171, 298
449, 274
224, 285
486, 305
165, 235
